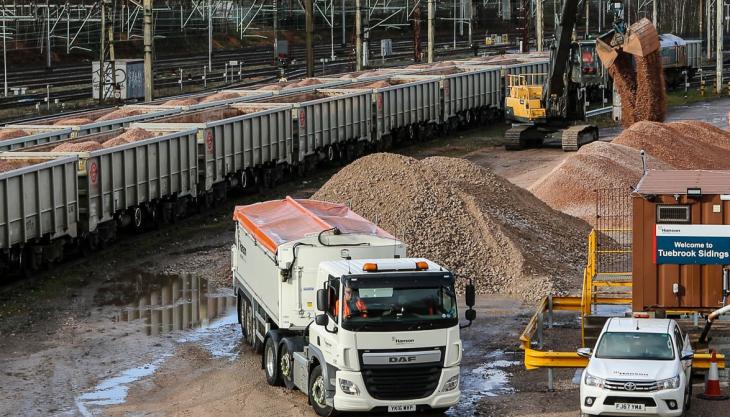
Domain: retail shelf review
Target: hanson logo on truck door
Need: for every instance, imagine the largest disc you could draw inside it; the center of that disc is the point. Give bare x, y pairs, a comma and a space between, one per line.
692, 244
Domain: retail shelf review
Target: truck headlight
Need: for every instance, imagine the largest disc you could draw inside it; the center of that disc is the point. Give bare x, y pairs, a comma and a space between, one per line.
593, 381
669, 383
451, 384
349, 387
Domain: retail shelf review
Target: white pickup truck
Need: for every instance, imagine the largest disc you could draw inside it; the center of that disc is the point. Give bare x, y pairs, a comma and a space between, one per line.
341, 313
640, 367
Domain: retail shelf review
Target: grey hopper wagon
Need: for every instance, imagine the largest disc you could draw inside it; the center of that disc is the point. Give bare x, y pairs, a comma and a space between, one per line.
145, 113
39, 208
131, 183
408, 105
328, 125
36, 135
238, 144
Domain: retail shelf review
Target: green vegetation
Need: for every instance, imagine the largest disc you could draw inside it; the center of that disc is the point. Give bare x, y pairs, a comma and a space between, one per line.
680, 98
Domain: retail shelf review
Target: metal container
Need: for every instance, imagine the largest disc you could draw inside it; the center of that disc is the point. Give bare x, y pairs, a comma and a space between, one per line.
96, 126
410, 101
114, 180
694, 54
37, 135
676, 216
297, 86
325, 120
207, 100
235, 141
471, 89
128, 74
38, 201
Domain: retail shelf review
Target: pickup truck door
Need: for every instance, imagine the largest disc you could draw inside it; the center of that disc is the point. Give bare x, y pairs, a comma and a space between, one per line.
683, 347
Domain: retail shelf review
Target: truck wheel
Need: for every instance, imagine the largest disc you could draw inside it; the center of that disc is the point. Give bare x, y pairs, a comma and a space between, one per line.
286, 365
318, 393
271, 363
242, 309
688, 396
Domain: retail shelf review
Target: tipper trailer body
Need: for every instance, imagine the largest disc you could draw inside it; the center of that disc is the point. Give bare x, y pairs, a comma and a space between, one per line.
339, 311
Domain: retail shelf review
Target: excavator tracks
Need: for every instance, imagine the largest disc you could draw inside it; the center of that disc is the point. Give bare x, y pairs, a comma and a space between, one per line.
574, 137
519, 137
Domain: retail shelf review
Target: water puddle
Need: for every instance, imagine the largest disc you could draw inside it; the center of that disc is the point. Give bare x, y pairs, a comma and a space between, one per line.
187, 308
167, 303
114, 390
489, 379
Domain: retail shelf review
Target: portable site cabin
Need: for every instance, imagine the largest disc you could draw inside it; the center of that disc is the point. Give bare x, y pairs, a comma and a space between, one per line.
681, 240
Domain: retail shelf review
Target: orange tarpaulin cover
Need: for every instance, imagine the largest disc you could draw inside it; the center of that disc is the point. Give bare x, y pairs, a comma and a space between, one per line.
277, 222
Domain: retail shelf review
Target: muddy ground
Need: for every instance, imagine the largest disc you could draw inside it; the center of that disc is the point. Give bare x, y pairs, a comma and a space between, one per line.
147, 326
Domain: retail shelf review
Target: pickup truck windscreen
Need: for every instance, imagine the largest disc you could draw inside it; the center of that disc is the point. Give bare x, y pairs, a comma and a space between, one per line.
629, 345
369, 305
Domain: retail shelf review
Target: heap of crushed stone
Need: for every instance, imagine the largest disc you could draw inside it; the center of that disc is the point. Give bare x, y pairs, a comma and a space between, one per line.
683, 145
571, 186
471, 221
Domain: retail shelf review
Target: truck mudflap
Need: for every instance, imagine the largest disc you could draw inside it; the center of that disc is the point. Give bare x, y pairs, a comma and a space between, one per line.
439, 399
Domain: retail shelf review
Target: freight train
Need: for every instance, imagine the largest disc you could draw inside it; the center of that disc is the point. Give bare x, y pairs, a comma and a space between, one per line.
198, 149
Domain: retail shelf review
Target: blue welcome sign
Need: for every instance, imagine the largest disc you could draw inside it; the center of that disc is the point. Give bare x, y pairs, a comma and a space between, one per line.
685, 244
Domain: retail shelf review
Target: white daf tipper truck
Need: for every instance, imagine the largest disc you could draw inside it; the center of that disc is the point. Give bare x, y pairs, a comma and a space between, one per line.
341, 313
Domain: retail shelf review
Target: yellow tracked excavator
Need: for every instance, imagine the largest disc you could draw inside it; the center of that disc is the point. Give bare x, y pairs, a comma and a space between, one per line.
555, 108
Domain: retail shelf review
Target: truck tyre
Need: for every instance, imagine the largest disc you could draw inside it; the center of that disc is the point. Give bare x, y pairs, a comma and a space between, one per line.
688, 396
286, 365
318, 393
271, 363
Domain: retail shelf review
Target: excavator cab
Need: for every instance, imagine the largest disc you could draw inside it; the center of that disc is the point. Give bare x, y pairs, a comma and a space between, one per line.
524, 100
640, 39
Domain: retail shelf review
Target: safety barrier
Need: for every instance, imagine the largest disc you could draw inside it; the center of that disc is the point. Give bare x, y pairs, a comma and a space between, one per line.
537, 358
583, 304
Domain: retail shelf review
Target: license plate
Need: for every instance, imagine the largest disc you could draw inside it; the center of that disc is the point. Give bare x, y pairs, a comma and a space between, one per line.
401, 408
629, 407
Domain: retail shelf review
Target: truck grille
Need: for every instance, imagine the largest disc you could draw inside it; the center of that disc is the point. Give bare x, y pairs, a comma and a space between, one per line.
401, 382
635, 386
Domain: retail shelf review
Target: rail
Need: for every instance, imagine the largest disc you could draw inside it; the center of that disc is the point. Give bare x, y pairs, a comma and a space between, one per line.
598, 112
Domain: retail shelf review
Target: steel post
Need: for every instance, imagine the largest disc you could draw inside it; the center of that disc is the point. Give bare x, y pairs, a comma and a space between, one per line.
148, 44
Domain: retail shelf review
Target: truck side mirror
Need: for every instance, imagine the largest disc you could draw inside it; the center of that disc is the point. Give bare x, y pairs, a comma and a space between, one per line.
321, 319
470, 314
323, 302
687, 356
584, 353
470, 295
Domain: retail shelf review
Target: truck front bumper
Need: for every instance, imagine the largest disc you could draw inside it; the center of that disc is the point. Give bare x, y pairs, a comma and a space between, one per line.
364, 402
656, 403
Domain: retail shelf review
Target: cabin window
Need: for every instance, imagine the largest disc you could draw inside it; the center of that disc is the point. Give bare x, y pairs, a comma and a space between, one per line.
672, 214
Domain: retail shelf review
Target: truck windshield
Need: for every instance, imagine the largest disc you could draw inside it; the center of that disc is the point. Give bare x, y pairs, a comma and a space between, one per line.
620, 345
388, 308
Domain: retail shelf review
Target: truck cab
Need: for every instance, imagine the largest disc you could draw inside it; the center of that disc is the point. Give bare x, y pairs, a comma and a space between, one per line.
389, 330
639, 367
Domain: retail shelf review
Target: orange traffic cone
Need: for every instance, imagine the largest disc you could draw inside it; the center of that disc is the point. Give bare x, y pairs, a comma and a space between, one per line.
712, 385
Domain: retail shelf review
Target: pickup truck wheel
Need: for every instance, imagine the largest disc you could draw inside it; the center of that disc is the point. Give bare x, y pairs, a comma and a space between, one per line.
286, 365
318, 393
271, 364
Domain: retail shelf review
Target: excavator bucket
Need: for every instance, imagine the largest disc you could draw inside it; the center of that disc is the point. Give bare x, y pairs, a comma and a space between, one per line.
641, 39
606, 51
